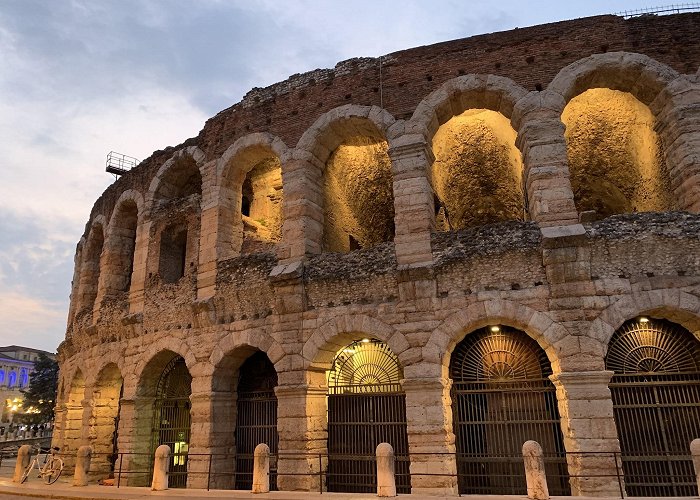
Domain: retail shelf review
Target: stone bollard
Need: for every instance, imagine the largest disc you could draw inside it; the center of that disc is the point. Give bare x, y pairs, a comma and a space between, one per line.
160, 468
24, 455
261, 469
535, 475
695, 452
386, 479
82, 466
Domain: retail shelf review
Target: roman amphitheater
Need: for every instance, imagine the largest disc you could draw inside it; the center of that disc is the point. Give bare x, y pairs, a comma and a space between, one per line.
453, 249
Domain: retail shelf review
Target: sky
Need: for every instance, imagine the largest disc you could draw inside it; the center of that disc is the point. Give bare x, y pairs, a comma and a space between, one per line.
80, 78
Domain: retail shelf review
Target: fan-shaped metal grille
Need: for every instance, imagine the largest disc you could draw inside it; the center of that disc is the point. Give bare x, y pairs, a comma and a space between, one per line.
365, 365
506, 354
175, 381
653, 346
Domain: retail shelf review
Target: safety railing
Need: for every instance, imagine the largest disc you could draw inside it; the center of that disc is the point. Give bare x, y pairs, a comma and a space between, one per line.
647, 474
665, 9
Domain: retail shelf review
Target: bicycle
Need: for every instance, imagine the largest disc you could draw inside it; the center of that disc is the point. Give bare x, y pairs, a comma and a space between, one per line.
50, 471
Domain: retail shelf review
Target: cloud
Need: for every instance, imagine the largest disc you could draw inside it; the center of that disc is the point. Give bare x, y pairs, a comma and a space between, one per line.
31, 322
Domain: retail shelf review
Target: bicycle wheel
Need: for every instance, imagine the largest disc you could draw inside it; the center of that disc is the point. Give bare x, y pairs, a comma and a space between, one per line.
53, 472
26, 472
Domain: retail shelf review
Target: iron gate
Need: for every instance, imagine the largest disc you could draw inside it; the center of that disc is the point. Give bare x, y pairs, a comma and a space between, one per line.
256, 420
366, 407
501, 397
656, 403
171, 418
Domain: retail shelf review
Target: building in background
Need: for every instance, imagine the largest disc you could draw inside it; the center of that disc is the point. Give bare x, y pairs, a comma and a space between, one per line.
16, 366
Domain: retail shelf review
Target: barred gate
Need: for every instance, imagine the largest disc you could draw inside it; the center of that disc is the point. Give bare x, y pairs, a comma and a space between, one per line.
171, 418
501, 397
256, 419
366, 407
656, 403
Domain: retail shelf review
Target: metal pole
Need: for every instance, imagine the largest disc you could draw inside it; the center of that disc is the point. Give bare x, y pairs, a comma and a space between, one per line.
320, 474
119, 474
619, 478
209, 472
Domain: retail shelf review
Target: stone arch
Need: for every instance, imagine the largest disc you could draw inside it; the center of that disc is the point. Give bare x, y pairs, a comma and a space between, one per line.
549, 335
174, 176
72, 428
477, 171
637, 74
670, 304
91, 265
104, 416
495, 93
348, 190
120, 242
154, 360
250, 198
320, 349
241, 345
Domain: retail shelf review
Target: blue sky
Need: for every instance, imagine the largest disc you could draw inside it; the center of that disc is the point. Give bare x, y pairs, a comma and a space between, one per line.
80, 78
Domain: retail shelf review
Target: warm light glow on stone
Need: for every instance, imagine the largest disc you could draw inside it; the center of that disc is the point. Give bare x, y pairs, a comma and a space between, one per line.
615, 159
477, 171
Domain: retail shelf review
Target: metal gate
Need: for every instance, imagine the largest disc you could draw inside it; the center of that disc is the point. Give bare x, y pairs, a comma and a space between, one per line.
656, 403
256, 420
366, 407
171, 418
501, 397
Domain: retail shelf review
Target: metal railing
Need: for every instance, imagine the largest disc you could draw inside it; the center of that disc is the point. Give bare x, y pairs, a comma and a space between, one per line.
217, 471
663, 10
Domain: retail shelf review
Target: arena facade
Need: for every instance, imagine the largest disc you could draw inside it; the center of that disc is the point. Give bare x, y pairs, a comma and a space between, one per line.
453, 248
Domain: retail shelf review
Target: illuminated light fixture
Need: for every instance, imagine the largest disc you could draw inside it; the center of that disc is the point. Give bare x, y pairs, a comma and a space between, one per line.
644, 319
365, 340
348, 351
495, 329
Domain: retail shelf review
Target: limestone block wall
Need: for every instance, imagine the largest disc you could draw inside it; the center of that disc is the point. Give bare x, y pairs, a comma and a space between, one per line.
560, 275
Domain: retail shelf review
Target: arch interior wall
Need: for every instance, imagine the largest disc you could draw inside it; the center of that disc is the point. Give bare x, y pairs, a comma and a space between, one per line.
557, 197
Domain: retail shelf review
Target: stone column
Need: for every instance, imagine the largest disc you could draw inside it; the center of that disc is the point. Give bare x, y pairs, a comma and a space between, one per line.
431, 441
302, 426
212, 431
546, 169
588, 425
303, 213
138, 274
134, 441
209, 231
677, 123
414, 206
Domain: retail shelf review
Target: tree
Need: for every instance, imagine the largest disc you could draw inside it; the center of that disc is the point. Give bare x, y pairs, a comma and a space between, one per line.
41, 394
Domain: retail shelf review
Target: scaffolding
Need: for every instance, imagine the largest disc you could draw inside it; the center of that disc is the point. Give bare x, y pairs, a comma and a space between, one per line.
119, 164
662, 10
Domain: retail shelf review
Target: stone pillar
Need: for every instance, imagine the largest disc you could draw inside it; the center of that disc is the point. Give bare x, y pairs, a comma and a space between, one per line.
134, 441
588, 425
535, 476
138, 274
209, 231
546, 169
386, 472
431, 441
24, 456
261, 469
161, 467
677, 123
302, 426
695, 453
82, 466
414, 205
302, 229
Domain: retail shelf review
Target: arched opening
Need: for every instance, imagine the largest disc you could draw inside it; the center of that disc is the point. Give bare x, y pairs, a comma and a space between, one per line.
358, 196
656, 403
104, 420
256, 417
502, 397
121, 243
477, 173
172, 263
261, 204
366, 407
90, 274
181, 180
172, 419
615, 158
